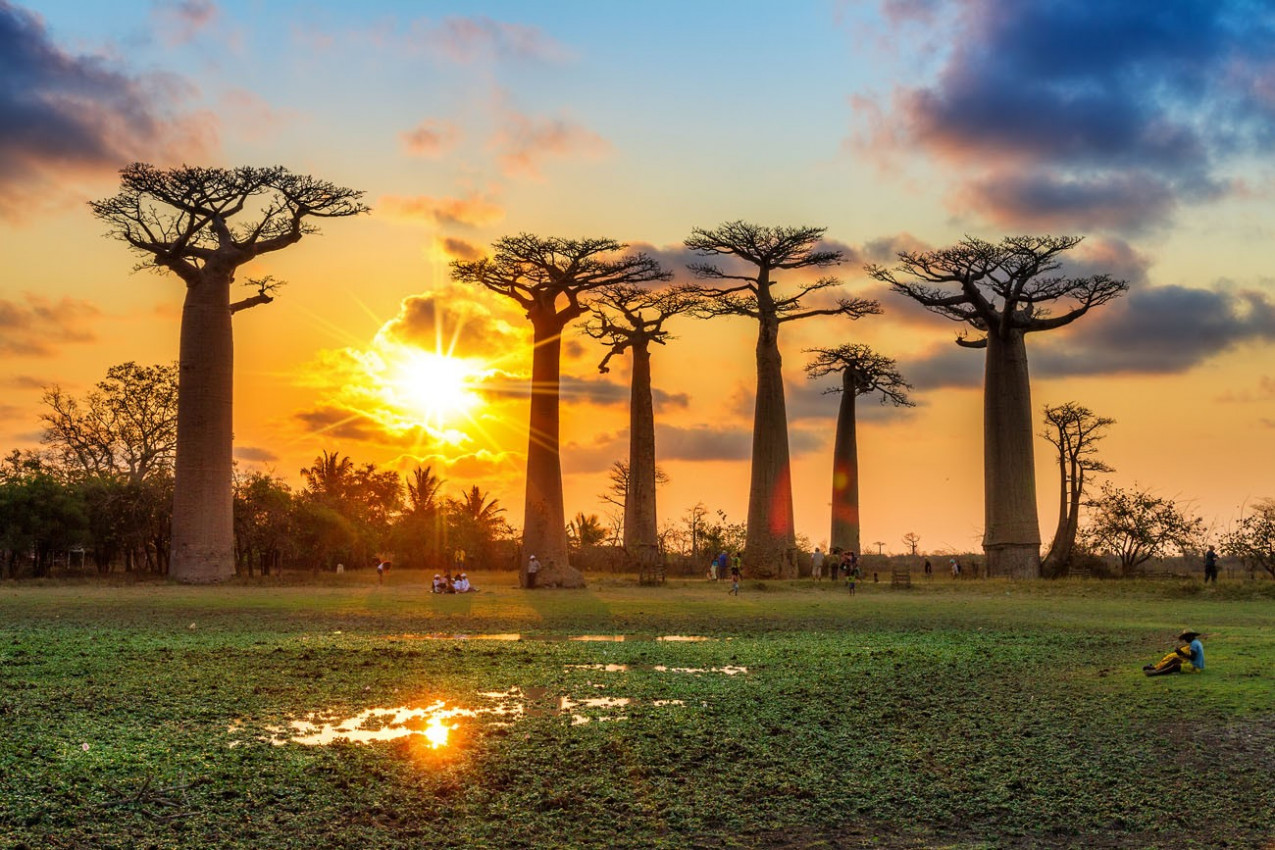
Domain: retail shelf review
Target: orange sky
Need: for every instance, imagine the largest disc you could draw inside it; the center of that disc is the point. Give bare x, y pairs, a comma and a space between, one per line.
468, 126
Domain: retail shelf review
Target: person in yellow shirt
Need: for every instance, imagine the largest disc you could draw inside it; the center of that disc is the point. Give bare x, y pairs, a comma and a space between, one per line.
1188, 658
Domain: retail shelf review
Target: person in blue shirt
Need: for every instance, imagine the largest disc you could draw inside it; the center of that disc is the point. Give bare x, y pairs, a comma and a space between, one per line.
1188, 658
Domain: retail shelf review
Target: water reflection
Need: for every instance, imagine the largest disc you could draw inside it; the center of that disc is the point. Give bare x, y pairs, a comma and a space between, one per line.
517, 636
435, 722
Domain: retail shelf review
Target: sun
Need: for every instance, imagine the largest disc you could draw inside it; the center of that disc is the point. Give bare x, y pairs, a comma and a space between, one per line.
435, 389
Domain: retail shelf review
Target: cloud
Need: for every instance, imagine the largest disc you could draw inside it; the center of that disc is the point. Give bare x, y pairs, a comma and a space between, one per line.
1095, 115
459, 320
26, 382
459, 249
65, 117
601, 391
39, 327
466, 40
1151, 331
341, 424
523, 142
473, 211
703, 442
253, 118
254, 454
431, 138
1127, 202
1161, 330
1265, 391
179, 23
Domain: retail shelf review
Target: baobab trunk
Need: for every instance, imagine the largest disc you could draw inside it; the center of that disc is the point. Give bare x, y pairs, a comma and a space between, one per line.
203, 547
845, 472
1059, 550
544, 531
771, 542
1011, 536
641, 535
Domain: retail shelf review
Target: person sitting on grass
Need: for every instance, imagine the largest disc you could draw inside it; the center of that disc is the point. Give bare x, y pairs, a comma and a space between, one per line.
1188, 658
440, 586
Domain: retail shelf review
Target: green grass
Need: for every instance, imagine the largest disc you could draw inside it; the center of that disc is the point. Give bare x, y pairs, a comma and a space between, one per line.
957, 715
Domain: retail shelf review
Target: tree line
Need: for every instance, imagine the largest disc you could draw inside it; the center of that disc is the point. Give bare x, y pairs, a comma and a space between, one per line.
202, 224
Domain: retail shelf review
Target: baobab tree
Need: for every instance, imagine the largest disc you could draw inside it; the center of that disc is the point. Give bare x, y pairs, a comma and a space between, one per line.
863, 372
550, 278
202, 224
1073, 430
1004, 292
631, 318
749, 289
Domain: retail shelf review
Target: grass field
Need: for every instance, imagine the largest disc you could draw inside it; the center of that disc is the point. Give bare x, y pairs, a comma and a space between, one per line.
958, 715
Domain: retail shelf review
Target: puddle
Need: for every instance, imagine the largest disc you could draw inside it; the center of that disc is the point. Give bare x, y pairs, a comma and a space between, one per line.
436, 721
494, 708
658, 668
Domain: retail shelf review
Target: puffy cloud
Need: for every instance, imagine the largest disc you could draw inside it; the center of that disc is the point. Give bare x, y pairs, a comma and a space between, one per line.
64, 117
38, 327
459, 320
431, 138
473, 211
1096, 115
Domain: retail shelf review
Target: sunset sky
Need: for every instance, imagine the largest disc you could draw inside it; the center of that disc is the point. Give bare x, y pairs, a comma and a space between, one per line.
1146, 126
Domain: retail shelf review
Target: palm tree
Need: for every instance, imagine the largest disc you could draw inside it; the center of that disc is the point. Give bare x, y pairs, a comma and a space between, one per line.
586, 530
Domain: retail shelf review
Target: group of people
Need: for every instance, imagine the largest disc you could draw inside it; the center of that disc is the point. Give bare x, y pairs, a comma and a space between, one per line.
444, 583
724, 565
839, 563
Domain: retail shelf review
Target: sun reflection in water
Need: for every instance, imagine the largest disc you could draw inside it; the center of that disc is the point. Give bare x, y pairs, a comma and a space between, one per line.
496, 709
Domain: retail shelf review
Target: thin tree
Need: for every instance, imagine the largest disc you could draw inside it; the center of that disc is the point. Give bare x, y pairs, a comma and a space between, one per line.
863, 372
1073, 430
749, 288
550, 278
1004, 292
182, 220
631, 318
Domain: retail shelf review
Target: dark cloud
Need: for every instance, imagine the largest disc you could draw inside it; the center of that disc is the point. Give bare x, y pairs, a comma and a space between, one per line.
63, 116
254, 454
1095, 114
459, 249
39, 327
702, 442
338, 423
946, 365
1162, 330
605, 392
1128, 202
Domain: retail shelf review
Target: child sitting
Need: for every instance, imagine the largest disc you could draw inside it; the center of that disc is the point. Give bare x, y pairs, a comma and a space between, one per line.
1188, 658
